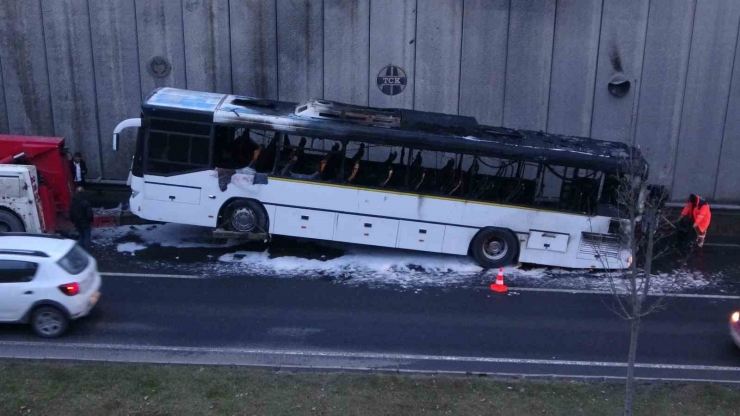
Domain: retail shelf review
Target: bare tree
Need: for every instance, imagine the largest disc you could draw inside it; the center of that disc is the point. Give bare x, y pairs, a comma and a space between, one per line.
643, 230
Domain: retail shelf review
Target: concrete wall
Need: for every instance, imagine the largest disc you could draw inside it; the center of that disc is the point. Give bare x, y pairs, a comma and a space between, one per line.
75, 68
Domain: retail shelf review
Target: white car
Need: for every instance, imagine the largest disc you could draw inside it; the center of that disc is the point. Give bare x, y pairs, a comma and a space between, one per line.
46, 281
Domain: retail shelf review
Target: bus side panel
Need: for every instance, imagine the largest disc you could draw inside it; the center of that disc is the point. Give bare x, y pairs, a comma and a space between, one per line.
302, 222
457, 239
355, 208
271, 214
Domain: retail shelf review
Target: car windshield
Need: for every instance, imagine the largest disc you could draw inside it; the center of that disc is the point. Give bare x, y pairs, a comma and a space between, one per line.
75, 261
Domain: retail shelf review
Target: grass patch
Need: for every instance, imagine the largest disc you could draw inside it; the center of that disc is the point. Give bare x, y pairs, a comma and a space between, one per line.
73, 388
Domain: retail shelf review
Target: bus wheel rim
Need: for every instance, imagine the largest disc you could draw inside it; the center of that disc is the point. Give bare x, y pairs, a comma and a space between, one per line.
244, 220
495, 248
4, 227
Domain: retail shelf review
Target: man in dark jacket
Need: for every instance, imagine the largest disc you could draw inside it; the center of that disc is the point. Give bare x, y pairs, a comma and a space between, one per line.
81, 215
78, 167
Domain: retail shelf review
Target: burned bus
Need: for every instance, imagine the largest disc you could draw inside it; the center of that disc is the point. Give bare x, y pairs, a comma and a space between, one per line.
397, 178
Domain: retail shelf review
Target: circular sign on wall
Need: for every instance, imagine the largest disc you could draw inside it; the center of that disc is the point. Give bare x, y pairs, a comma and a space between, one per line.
159, 67
391, 80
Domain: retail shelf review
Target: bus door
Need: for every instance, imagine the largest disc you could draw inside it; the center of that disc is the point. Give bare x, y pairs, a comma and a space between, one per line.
177, 166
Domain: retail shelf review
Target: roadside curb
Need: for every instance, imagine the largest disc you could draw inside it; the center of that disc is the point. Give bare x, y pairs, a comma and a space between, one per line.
370, 363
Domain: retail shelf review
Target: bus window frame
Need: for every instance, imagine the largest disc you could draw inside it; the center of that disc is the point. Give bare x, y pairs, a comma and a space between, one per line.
541, 168
319, 134
200, 168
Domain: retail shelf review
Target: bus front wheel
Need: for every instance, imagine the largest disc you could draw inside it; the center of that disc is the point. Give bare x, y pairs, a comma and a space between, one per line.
494, 247
247, 216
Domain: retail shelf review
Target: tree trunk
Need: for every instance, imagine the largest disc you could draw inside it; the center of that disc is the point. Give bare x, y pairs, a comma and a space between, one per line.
629, 396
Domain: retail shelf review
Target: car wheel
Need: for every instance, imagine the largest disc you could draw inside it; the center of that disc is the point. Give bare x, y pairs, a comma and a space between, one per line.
494, 247
49, 322
247, 216
10, 223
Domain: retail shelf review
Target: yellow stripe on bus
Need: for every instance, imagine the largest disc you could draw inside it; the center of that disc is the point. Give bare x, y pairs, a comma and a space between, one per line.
443, 198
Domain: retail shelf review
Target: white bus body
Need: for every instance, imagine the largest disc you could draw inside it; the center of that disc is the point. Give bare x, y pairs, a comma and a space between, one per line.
377, 217
340, 213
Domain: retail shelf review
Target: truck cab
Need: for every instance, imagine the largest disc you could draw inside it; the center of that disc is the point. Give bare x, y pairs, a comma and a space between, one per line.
35, 183
20, 204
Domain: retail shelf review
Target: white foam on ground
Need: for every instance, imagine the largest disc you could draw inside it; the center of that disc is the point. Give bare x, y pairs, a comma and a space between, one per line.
130, 247
363, 265
676, 281
371, 265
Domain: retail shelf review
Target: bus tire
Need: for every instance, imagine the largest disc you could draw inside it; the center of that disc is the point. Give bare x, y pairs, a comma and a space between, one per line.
494, 247
247, 216
10, 223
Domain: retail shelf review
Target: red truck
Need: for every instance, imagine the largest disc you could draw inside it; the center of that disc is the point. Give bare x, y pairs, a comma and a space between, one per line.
35, 184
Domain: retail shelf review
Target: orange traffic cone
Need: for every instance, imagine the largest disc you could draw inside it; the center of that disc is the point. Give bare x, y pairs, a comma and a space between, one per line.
499, 286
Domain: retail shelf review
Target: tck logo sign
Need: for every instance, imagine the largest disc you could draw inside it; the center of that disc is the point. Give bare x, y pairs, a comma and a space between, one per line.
391, 80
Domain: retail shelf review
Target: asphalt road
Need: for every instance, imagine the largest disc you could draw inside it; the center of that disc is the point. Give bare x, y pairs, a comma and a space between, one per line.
315, 323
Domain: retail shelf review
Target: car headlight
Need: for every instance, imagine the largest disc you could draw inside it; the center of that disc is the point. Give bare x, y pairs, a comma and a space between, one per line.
735, 317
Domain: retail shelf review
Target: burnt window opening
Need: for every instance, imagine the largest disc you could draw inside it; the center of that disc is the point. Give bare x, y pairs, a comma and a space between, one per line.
238, 148
407, 170
310, 158
259, 103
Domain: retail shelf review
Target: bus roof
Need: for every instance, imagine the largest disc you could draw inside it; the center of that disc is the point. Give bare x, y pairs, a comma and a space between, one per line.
391, 126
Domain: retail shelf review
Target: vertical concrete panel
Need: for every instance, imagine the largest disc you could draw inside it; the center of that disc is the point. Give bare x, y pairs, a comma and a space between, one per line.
254, 48
528, 63
346, 50
438, 50
705, 102
116, 62
392, 32
23, 59
300, 38
207, 45
621, 48
574, 56
483, 68
728, 180
71, 77
663, 84
3, 108
159, 30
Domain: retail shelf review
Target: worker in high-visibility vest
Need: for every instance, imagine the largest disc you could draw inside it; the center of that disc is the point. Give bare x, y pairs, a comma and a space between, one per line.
696, 213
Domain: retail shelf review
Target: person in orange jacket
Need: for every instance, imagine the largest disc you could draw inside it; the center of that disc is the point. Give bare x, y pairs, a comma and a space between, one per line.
696, 213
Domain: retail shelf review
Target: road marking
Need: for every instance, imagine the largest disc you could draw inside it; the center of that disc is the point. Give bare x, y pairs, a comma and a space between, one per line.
605, 292
361, 355
165, 276
721, 245
511, 288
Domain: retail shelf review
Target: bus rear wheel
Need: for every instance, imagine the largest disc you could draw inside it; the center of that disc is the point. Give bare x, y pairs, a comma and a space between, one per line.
494, 247
247, 216
10, 223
